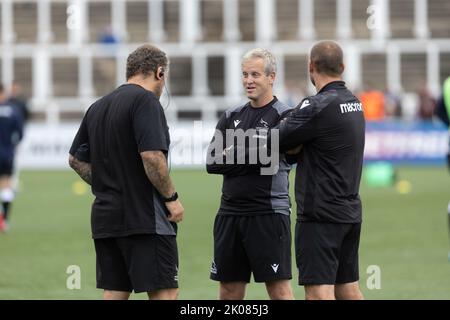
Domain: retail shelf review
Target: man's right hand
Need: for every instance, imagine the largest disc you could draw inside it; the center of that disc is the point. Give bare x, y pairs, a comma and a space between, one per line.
176, 211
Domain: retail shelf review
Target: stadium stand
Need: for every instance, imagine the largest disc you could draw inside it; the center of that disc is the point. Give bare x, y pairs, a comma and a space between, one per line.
52, 48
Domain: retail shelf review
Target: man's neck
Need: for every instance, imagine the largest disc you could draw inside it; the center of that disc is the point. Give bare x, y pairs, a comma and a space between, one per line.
145, 83
262, 101
322, 81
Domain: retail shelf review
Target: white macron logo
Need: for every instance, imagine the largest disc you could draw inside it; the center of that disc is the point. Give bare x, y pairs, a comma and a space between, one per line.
213, 267
351, 107
305, 104
275, 267
236, 123
176, 275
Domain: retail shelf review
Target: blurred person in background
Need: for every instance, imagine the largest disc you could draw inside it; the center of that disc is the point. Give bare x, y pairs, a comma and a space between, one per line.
109, 41
427, 104
11, 131
443, 113
373, 103
392, 105
121, 150
17, 99
107, 36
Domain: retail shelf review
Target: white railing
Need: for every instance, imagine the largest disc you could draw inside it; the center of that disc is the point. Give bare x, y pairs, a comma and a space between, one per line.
190, 45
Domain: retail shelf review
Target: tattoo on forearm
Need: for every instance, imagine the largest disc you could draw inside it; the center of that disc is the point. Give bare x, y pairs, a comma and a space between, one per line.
83, 169
85, 173
158, 174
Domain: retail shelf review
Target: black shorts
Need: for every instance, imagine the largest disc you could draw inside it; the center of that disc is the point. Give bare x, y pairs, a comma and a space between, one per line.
6, 167
143, 263
245, 244
327, 253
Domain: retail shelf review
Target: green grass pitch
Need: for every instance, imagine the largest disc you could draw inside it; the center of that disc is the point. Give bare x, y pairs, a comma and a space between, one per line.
404, 234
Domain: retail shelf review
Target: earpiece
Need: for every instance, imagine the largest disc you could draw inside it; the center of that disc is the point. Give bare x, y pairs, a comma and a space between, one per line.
160, 72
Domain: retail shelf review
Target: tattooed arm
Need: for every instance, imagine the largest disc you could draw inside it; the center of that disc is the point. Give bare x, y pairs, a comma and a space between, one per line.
157, 172
83, 169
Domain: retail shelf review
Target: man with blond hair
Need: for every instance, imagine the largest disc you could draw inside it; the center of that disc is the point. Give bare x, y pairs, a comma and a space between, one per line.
252, 227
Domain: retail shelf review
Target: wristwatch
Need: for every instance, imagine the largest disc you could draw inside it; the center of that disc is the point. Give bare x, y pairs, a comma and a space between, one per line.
173, 197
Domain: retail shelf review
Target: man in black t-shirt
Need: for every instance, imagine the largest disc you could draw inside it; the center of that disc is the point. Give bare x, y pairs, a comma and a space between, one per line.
121, 150
330, 128
252, 227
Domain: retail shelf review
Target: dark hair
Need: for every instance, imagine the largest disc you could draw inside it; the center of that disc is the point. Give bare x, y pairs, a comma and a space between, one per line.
327, 58
145, 60
2, 88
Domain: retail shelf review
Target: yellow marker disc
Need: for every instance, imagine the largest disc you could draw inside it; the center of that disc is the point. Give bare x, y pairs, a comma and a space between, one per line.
403, 187
79, 188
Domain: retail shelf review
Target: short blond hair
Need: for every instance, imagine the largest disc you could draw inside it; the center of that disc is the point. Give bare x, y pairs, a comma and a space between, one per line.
270, 64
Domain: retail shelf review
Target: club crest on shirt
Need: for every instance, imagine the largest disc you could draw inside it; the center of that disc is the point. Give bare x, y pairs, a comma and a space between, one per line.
262, 125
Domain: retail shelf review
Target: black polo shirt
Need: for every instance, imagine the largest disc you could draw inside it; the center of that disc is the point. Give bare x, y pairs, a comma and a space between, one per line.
113, 133
245, 190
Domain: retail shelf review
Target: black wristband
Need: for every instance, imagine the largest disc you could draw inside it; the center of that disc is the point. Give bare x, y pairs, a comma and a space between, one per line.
173, 197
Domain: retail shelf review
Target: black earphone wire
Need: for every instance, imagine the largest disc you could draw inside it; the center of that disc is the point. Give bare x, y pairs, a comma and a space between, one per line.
168, 97
169, 158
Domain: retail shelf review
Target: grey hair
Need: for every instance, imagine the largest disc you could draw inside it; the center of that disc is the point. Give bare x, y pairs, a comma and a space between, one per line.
270, 64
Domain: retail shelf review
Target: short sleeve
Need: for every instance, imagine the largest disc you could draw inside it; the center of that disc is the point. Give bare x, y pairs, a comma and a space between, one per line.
149, 125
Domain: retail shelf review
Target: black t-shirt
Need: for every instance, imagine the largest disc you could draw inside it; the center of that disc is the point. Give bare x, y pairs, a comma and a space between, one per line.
331, 127
113, 133
11, 131
245, 190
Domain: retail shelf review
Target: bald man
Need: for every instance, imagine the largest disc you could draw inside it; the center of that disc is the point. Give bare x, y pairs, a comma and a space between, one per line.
327, 133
